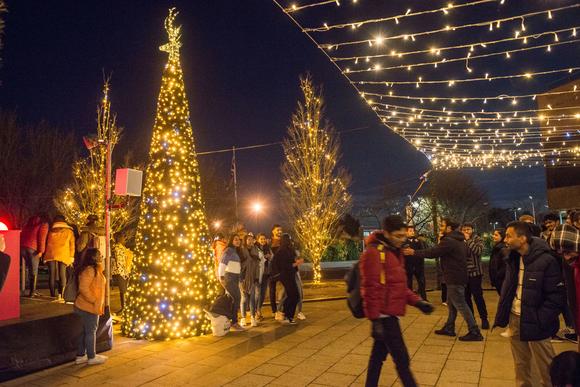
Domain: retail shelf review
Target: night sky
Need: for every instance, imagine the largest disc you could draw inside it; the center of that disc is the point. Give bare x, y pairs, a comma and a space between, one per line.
241, 62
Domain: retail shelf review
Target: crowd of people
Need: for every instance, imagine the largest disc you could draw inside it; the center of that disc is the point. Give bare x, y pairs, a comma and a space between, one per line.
75, 257
249, 265
535, 270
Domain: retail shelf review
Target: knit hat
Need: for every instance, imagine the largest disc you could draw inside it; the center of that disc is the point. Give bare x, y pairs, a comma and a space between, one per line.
565, 238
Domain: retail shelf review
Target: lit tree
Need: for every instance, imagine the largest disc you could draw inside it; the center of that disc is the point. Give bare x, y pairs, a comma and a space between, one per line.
315, 189
86, 194
172, 280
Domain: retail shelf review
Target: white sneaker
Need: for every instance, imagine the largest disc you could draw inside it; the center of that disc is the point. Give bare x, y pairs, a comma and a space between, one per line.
444, 303
301, 316
506, 334
243, 322
81, 359
254, 322
237, 328
279, 316
98, 359
567, 331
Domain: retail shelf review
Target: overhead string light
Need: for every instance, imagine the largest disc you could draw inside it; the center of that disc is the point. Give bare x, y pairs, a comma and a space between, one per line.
447, 28
445, 98
472, 46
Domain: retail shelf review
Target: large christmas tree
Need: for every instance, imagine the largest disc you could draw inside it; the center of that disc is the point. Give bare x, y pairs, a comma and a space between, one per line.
173, 278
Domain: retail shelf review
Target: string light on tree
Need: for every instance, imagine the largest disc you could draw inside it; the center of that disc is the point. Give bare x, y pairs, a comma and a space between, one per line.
173, 278
85, 195
315, 190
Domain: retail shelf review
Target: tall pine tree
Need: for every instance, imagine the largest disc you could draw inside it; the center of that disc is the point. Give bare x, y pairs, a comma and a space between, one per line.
173, 278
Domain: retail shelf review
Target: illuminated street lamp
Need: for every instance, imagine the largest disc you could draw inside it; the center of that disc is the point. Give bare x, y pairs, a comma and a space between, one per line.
257, 208
217, 224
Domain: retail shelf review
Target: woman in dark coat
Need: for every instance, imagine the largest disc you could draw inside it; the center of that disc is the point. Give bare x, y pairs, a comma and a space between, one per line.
497, 259
286, 263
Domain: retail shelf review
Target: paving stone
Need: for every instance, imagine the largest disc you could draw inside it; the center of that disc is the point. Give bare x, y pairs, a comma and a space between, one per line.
292, 380
489, 382
461, 355
463, 365
434, 349
270, 369
132, 380
251, 380
426, 378
426, 367
351, 365
54, 380
334, 379
309, 368
286, 359
469, 346
459, 376
446, 383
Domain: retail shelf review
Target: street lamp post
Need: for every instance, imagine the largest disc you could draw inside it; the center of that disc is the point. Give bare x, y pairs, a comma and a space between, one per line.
533, 207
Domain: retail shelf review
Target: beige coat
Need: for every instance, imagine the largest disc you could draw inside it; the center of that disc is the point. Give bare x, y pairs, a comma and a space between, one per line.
60, 244
91, 297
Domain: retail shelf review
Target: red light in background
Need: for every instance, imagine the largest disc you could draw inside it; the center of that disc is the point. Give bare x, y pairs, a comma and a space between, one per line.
3, 226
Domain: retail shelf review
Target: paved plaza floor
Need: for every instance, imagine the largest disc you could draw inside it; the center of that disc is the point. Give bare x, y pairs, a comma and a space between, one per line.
330, 348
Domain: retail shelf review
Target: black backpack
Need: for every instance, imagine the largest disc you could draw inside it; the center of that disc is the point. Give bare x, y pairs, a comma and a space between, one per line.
354, 299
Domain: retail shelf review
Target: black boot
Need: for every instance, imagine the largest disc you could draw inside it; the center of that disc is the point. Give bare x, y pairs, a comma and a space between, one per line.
472, 336
122, 298
484, 324
445, 332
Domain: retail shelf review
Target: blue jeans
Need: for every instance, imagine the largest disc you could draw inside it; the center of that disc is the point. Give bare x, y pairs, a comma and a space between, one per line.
88, 338
456, 302
232, 285
250, 301
32, 261
300, 295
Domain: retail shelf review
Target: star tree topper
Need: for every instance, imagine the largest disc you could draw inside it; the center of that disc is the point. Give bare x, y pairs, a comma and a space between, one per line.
174, 33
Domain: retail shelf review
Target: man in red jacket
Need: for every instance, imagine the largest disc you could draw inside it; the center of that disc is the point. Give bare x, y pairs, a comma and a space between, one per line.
385, 295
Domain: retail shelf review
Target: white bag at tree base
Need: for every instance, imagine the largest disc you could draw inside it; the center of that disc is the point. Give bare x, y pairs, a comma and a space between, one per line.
220, 325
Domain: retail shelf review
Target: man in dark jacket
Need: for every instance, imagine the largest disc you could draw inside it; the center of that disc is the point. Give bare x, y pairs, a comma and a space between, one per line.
415, 266
532, 297
385, 296
453, 252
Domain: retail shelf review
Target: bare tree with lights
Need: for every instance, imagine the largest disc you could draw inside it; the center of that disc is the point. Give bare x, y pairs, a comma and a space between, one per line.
86, 194
314, 189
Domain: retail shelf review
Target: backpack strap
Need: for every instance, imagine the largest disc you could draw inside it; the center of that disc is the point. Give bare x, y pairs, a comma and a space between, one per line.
383, 258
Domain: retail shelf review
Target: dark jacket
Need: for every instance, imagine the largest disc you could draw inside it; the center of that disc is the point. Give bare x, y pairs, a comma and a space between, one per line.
283, 262
383, 279
416, 244
250, 272
543, 292
497, 265
453, 252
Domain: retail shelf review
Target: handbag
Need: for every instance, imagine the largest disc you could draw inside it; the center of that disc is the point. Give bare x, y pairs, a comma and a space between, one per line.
71, 290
